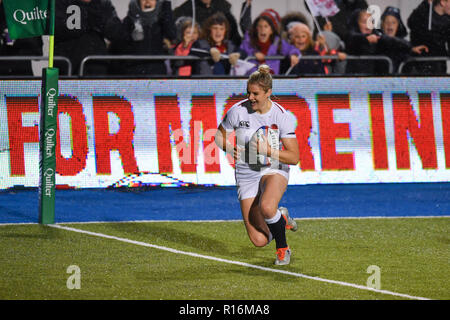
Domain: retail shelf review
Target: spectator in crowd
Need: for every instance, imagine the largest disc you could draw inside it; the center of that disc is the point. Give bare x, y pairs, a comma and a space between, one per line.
213, 43
206, 8
393, 43
361, 40
434, 33
188, 34
364, 40
81, 27
19, 47
331, 44
340, 20
264, 40
288, 20
301, 37
147, 24
334, 46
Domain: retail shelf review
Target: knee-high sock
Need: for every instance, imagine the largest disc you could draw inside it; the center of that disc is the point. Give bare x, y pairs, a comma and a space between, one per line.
277, 226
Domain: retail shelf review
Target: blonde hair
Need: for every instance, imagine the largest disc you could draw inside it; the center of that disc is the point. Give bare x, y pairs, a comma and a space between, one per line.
262, 77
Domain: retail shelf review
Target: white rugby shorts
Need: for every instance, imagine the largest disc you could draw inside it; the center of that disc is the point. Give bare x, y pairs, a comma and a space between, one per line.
247, 181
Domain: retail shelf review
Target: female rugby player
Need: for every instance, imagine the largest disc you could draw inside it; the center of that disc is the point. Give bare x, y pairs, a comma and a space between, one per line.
260, 186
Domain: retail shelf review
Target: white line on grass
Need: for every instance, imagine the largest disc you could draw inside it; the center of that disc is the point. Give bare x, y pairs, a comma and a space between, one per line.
232, 220
196, 255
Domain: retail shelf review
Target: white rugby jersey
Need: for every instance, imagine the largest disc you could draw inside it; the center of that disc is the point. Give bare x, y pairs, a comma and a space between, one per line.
245, 122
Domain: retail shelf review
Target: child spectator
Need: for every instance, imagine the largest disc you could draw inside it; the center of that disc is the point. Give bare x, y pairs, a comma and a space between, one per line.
333, 45
393, 43
188, 35
264, 40
361, 40
301, 37
213, 43
205, 9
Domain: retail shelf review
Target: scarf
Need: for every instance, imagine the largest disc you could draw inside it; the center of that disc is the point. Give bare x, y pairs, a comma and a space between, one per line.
146, 18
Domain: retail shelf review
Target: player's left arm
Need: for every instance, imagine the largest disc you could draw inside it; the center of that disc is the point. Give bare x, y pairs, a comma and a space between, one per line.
289, 155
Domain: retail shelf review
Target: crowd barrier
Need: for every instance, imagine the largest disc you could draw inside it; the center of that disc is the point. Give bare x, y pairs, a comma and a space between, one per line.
66, 62
161, 132
88, 59
108, 58
421, 59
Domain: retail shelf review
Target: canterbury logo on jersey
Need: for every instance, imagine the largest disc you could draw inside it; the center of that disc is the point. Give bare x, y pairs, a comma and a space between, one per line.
244, 124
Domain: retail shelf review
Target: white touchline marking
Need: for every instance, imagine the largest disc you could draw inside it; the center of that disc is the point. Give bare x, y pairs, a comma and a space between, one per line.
294, 274
232, 220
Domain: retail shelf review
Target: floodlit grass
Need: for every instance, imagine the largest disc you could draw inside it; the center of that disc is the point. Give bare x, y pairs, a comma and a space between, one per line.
412, 254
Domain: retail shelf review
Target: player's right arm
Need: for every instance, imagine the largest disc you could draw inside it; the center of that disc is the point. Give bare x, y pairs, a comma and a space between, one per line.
222, 141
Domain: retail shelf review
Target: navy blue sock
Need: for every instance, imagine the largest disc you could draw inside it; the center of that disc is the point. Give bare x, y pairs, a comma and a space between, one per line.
277, 226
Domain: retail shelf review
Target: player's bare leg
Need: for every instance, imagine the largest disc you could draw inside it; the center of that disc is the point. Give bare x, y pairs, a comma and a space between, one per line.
254, 222
273, 187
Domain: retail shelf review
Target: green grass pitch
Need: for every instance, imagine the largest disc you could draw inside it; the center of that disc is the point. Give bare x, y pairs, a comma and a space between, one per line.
412, 255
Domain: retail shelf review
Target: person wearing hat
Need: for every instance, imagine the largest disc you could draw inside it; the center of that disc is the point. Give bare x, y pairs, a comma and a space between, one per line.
264, 40
289, 20
393, 44
301, 37
392, 24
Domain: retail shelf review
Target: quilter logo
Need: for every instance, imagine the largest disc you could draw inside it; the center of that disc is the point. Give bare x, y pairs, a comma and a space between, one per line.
50, 142
51, 93
49, 176
23, 17
26, 18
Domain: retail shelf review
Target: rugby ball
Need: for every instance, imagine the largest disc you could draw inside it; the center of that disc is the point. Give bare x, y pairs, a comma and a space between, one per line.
272, 135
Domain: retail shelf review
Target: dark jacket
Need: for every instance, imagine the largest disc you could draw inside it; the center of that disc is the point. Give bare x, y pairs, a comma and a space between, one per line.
396, 48
356, 44
202, 13
98, 20
209, 67
19, 47
144, 34
437, 39
305, 67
